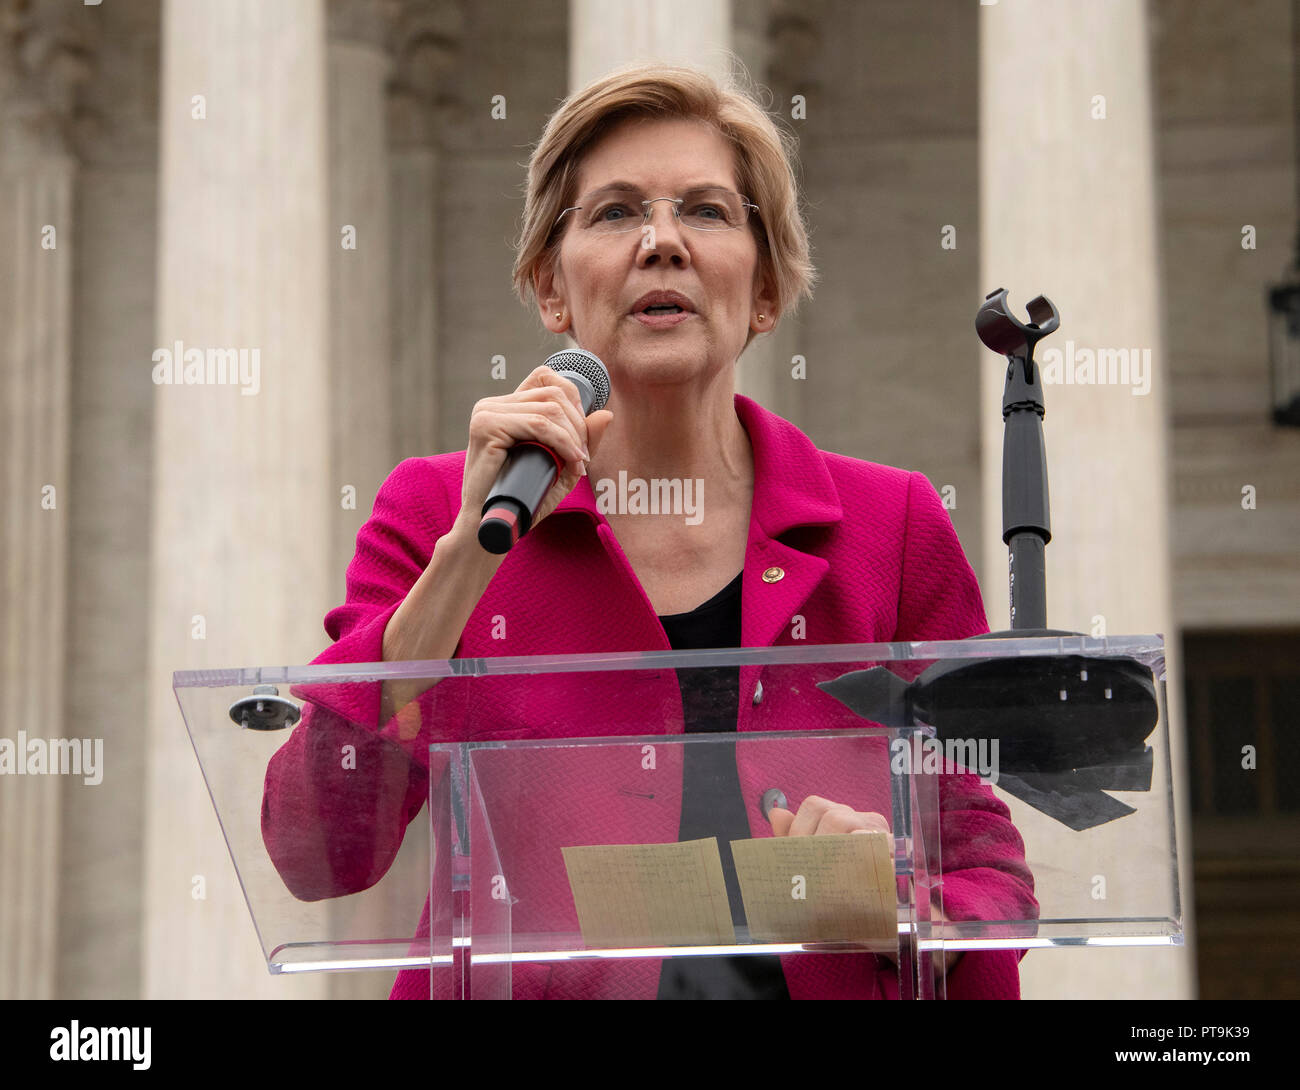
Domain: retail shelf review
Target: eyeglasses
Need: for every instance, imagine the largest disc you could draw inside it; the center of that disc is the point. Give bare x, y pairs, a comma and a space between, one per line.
616, 211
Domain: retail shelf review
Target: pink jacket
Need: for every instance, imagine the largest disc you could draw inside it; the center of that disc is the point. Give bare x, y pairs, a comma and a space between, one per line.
865, 553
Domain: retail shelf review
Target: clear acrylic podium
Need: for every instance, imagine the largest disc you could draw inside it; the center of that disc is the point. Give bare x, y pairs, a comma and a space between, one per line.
541, 827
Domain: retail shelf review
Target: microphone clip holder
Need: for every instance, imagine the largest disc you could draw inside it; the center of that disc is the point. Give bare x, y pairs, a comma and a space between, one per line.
1026, 526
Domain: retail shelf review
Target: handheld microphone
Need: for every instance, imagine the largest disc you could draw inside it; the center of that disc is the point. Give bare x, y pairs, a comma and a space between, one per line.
531, 468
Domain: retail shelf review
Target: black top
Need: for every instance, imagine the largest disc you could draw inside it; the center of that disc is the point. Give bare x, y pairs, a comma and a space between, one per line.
711, 800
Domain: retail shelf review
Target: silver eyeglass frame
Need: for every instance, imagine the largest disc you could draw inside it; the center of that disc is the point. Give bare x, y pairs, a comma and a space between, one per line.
677, 203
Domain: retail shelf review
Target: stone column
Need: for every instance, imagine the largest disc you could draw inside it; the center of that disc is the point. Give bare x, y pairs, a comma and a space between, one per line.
361, 308
699, 34
775, 43
1067, 209
41, 65
420, 98
101, 888
359, 312
244, 500
603, 36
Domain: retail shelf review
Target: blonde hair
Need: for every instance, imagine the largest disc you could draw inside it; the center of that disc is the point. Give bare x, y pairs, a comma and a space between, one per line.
764, 173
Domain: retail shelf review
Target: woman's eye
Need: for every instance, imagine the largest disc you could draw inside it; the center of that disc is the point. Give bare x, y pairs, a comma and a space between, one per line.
612, 213
712, 213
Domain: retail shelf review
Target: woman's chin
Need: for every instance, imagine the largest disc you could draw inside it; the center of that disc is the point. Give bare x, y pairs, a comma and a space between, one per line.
647, 369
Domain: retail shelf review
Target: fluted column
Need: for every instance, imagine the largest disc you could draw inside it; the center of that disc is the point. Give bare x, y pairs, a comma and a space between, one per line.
361, 332
603, 36
41, 65
243, 496
770, 40
359, 267
1068, 209
101, 890
421, 97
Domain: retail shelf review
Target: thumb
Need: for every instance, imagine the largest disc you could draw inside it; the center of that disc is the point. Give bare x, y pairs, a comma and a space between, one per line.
781, 820
597, 422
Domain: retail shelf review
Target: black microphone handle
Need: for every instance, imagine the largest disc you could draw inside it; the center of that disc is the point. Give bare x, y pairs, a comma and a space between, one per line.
527, 475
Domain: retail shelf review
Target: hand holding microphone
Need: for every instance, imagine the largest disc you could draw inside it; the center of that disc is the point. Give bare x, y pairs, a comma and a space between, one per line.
527, 449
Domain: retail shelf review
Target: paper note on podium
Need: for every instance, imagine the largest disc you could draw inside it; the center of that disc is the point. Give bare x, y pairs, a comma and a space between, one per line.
837, 888
631, 895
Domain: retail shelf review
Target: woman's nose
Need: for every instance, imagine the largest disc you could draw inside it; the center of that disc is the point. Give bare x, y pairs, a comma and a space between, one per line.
662, 235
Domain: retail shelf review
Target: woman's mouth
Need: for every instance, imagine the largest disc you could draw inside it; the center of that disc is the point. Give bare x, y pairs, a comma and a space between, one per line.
662, 316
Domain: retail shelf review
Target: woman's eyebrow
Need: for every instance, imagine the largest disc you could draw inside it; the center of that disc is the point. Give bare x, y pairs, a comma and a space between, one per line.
630, 187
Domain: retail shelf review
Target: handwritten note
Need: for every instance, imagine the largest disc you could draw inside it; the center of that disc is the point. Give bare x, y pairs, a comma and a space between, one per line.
630, 895
837, 888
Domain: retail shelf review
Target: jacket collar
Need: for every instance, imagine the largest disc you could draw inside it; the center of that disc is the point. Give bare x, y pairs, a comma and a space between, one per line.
792, 486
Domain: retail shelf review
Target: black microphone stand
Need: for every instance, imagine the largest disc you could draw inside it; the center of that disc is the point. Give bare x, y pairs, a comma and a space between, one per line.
1026, 528
1068, 726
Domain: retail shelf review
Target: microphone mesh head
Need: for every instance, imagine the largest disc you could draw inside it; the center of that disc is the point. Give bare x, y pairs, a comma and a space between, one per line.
589, 367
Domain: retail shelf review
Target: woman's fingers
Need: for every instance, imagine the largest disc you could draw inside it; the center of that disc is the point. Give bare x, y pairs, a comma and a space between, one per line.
781, 820
820, 817
540, 420
812, 811
546, 384
868, 822
545, 409
542, 393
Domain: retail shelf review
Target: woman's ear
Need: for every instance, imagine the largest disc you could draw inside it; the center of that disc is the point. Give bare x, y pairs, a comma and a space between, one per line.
549, 288
766, 306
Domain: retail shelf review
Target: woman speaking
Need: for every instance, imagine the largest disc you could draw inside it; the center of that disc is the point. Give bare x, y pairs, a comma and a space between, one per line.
662, 232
